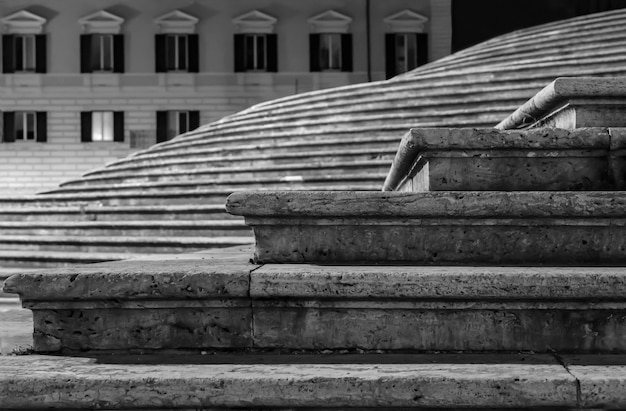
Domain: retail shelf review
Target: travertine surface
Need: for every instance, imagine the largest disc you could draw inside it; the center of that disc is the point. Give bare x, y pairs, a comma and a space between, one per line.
447, 283
602, 379
490, 159
433, 204
39, 381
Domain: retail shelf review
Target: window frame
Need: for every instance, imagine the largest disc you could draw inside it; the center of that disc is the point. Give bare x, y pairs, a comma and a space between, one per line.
98, 40
176, 53
256, 37
405, 49
106, 133
21, 65
333, 38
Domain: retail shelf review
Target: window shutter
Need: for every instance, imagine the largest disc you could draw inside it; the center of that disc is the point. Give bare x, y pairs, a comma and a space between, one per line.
194, 120
422, 48
272, 52
42, 127
85, 56
85, 126
159, 53
8, 127
41, 54
240, 61
390, 55
161, 126
194, 53
314, 52
7, 53
118, 53
118, 126
346, 52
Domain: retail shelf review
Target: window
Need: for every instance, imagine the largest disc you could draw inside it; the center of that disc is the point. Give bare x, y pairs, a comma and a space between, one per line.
102, 52
24, 53
330, 43
24, 126
405, 51
24, 50
331, 52
102, 126
406, 42
173, 123
256, 52
24, 45
256, 45
177, 52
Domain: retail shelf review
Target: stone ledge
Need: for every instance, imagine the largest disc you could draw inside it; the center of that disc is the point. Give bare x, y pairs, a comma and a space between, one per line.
309, 307
440, 159
469, 228
37, 382
560, 91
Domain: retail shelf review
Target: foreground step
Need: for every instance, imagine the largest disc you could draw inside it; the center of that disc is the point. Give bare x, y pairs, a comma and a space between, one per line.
311, 382
490, 227
218, 300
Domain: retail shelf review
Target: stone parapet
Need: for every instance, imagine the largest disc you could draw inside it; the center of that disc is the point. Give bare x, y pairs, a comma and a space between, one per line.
439, 159
573, 102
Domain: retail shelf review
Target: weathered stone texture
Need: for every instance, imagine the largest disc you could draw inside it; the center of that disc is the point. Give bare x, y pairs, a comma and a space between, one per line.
81, 382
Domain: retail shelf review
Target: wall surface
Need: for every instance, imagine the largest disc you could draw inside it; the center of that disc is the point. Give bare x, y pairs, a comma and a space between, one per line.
216, 91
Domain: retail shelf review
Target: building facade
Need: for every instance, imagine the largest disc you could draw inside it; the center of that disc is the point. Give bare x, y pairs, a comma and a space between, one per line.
88, 81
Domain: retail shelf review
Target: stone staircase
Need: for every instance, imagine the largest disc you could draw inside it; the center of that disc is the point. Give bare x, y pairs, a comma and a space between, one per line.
417, 297
337, 139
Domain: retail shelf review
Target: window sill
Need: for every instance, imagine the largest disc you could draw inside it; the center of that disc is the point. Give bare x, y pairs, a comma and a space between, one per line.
177, 78
102, 78
24, 79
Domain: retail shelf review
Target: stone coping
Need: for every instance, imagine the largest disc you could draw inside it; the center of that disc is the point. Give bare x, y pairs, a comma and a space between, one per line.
229, 274
559, 91
462, 204
431, 380
491, 142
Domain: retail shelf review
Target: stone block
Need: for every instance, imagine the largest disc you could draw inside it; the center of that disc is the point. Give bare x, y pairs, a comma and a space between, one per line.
559, 228
190, 302
435, 159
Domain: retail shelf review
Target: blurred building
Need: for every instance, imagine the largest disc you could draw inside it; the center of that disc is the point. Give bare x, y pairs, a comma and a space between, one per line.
88, 81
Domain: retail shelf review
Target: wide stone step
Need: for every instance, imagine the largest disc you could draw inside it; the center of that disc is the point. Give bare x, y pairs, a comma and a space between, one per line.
147, 228
218, 300
278, 172
118, 243
472, 227
294, 143
320, 382
176, 197
294, 182
94, 211
253, 160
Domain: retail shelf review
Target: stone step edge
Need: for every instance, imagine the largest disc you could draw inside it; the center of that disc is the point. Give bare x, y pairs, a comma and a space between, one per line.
42, 382
227, 273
